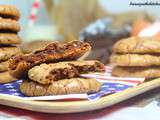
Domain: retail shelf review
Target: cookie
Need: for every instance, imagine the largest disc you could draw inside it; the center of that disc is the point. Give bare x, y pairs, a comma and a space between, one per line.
5, 77
63, 70
135, 60
8, 11
3, 66
52, 72
35, 45
8, 25
8, 52
19, 65
66, 86
9, 38
137, 45
147, 72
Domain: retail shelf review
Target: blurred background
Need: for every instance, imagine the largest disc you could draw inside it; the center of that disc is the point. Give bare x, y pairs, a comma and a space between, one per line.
99, 22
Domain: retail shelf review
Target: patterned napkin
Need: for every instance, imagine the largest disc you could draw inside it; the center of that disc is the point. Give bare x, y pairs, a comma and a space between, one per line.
110, 85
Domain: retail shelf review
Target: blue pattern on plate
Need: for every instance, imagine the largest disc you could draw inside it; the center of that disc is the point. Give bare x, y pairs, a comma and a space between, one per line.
106, 88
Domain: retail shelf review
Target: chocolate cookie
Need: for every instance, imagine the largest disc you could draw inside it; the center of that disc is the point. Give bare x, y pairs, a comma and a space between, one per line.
8, 25
3, 66
63, 70
8, 11
7, 52
151, 72
9, 38
19, 65
135, 60
137, 45
5, 77
66, 86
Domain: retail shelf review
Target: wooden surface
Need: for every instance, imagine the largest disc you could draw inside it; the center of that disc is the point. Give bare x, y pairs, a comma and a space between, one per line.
78, 106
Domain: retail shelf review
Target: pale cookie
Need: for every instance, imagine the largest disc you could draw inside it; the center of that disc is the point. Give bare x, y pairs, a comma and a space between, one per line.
61, 87
8, 52
151, 72
137, 45
9, 11
9, 38
46, 73
8, 25
135, 60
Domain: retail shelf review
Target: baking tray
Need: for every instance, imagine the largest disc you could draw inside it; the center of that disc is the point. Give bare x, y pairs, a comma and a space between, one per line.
78, 106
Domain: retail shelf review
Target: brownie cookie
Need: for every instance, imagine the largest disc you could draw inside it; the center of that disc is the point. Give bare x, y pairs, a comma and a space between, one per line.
135, 60
5, 77
8, 25
9, 38
8, 11
63, 70
151, 72
137, 45
19, 65
66, 86
3, 66
7, 52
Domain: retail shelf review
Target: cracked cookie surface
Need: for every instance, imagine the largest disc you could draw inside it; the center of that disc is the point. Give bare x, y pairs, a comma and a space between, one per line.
135, 60
9, 38
151, 72
9, 26
61, 87
8, 52
137, 45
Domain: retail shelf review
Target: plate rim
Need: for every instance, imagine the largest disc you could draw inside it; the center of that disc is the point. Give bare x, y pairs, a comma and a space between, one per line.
78, 106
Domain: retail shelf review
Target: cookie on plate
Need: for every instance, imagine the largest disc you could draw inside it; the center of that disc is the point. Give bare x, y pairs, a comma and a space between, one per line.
135, 60
137, 45
61, 87
9, 11
5, 77
9, 38
54, 52
147, 72
63, 70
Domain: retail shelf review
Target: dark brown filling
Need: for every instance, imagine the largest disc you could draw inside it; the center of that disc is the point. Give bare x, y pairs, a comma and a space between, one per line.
90, 68
42, 55
65, 73
75, 71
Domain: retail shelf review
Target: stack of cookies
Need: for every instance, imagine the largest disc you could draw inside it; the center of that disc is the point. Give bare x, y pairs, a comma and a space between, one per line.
54, 71
136, 57
9, 27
